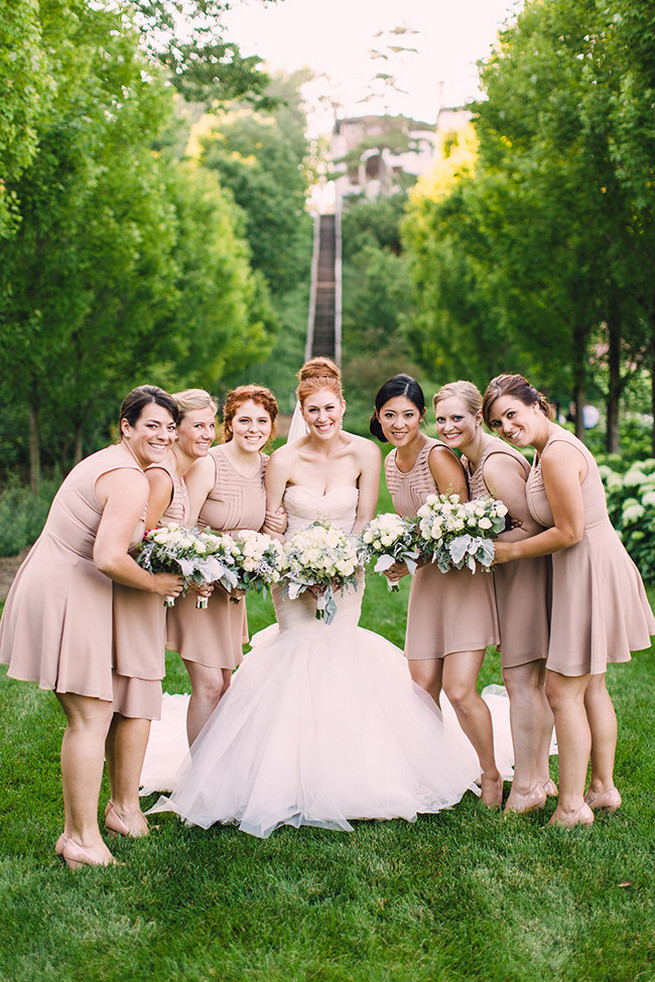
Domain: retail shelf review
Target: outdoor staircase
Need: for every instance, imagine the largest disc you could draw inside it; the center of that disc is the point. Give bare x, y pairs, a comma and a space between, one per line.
324, 321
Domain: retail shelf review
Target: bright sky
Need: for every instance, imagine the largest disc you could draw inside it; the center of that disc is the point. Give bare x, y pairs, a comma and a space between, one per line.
335, 38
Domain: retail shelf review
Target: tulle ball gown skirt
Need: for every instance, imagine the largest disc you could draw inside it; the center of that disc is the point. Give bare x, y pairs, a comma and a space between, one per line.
322, 724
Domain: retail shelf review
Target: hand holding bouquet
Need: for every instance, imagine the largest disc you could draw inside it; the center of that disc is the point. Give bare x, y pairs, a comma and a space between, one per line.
323, 557
457, 534
388, 539
175, 549
257, 560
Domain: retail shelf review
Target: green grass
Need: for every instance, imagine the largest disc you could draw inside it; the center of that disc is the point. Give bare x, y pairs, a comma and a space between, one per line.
457, 896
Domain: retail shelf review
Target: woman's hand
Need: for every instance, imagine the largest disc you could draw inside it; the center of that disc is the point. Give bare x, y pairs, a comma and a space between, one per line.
202, 589
237, 595
396, 572
167, 584
276, 521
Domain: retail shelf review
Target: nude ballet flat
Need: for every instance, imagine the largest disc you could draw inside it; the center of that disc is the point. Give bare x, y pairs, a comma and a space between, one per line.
608, 800
523, 803
551, 788
116, 826
61, 842
583, 816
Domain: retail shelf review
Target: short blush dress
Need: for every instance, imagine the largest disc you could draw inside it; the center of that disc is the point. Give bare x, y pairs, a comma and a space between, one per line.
447, 612
522, 586
214, 637
140, 628
600, 612
56, 627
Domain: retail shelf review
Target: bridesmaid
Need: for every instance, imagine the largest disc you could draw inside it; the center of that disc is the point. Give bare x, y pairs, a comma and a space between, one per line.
451, 618
600, 612
56, 628
522, 589
139, 618
227, 493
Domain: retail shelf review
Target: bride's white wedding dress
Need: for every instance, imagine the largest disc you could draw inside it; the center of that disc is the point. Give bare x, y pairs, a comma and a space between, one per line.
322, 724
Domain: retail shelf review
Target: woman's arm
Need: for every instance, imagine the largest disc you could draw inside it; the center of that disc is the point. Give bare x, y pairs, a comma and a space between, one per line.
369, 459
122, 495
159, 496
505, 479
200, 480
448, 473
277, 476
563, 469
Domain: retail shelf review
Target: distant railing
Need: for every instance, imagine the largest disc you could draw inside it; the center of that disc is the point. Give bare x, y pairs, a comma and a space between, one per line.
324, 318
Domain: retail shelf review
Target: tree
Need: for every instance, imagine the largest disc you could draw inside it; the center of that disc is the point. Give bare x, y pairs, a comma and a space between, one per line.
188, 38
543, 235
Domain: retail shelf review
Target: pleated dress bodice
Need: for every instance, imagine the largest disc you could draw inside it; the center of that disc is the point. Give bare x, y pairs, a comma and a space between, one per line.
235, 502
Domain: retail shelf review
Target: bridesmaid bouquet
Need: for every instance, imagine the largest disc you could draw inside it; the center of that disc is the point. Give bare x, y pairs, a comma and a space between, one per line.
457, 534
257, 559
199, 557
321, 556
388, 539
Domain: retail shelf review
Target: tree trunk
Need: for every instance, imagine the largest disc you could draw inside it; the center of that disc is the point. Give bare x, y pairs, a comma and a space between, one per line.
614, 385
580, 400
78, 443
35, 454
580, 382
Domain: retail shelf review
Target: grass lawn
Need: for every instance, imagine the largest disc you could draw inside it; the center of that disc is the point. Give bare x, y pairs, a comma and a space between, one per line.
461, 895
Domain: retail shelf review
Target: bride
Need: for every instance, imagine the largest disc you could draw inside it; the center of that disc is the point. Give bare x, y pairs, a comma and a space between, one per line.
322, 724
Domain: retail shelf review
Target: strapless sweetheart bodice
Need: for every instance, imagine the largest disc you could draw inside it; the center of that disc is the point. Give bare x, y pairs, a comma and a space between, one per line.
304, 506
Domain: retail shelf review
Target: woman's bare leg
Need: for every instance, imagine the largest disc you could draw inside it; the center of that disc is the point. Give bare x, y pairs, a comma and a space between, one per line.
208, 685
82, 761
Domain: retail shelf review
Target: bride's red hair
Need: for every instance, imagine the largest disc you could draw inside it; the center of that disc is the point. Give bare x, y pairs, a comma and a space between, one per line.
316, 374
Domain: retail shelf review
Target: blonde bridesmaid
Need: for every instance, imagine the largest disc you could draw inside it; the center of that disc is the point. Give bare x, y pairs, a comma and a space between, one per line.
451, 617
497, 470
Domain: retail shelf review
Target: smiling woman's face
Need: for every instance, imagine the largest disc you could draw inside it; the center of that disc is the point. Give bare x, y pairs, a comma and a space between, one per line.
151, 436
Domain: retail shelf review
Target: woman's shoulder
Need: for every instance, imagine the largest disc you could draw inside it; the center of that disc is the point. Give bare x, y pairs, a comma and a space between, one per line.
561, 442
364, 448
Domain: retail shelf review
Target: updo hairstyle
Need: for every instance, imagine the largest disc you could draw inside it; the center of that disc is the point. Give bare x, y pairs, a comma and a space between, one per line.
466, 391
519, 388
399, 385
135, 402
245, 393
316, 374
192, 399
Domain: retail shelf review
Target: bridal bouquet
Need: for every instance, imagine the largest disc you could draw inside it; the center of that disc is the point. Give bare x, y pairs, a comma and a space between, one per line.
197, 556
324, 557
257, 560
388, 539
457, 534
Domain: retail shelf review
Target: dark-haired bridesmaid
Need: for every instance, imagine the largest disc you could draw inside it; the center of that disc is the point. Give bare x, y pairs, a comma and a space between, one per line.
140, 620
56, 628
497, 470
451, 617
600, 612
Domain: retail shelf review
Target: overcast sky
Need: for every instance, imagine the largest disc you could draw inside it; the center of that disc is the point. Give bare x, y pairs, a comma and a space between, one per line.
335, 37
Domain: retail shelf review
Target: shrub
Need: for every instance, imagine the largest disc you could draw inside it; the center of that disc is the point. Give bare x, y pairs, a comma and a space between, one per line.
22, 514
631, 505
